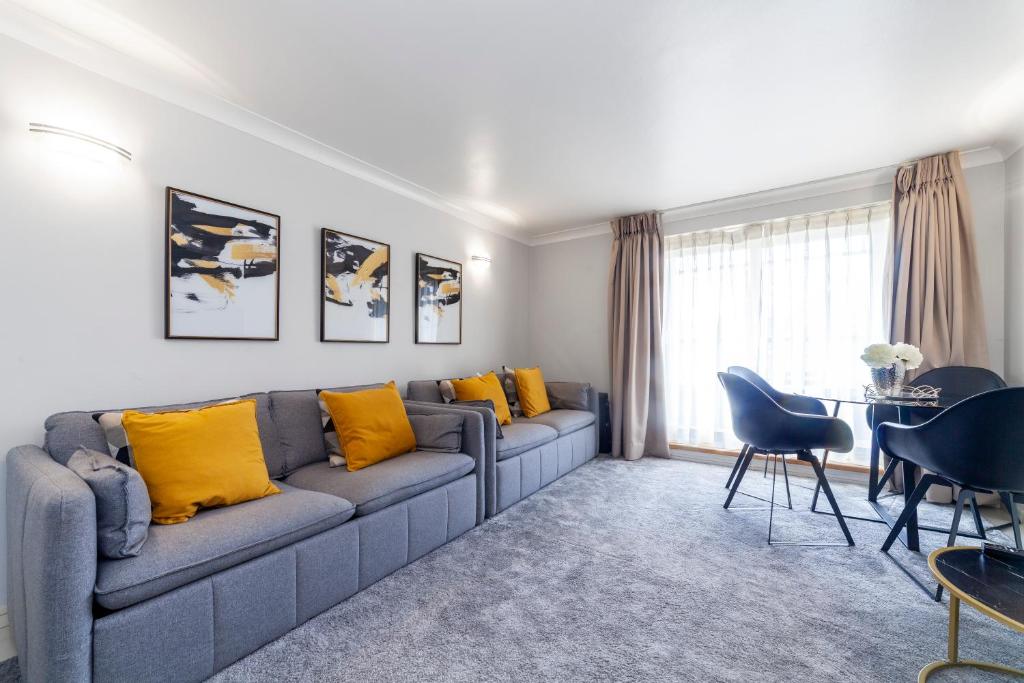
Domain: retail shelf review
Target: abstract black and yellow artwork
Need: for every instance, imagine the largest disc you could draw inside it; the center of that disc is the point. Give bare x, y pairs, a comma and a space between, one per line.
355, 301
438, 300
223, 269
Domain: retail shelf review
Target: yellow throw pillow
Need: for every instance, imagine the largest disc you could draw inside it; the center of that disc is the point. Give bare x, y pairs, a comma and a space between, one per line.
481, 389
191, 459
372, 425
533, 395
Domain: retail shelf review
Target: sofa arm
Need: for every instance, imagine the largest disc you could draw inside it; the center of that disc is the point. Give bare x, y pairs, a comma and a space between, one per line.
51, 566
477, 432
572, 395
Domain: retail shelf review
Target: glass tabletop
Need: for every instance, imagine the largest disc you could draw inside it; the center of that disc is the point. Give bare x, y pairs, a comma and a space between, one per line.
904, 400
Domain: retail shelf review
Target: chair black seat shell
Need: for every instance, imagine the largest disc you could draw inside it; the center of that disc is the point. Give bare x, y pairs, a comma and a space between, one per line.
768, 428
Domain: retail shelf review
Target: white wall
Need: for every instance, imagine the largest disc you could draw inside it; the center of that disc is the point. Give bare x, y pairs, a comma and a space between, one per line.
569, 310
81, 266
1014, 263
568, 332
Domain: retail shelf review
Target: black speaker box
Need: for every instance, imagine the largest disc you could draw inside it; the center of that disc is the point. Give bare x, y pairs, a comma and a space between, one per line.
604, 424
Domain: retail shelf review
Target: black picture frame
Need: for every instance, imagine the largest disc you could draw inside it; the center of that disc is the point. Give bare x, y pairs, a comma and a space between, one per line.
325, 233
419, 263
169, 245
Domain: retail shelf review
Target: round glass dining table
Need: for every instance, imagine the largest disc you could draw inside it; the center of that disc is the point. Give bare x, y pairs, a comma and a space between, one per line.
910, 407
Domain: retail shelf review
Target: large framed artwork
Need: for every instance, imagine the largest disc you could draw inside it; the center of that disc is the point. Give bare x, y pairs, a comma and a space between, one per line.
355, 298
223, 269
438, 300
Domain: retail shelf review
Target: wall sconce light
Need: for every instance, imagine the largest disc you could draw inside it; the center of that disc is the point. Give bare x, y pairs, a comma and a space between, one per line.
486, 260
81, 137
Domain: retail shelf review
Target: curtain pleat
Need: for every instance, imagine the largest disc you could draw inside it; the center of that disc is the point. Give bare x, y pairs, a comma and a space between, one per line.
932, 269
932, 274
636, 280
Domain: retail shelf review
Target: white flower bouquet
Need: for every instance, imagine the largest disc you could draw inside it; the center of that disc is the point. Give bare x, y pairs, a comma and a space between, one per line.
889, 364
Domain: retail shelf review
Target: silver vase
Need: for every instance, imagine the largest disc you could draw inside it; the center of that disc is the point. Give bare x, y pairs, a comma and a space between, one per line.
899, 369
888, 381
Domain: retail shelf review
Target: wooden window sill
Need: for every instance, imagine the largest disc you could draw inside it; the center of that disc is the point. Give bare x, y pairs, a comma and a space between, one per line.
838, 466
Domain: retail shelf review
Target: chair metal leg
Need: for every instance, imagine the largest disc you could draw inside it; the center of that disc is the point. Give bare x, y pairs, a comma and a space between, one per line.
908, 510
785, 475
817, 485
979, 523
739, 477
766, 456
958, 512
824, 463
887, 474
1011, 507
736, 465
771, 510
808, 456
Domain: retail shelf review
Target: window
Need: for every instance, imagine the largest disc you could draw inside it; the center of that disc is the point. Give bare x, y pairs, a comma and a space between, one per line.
796, 299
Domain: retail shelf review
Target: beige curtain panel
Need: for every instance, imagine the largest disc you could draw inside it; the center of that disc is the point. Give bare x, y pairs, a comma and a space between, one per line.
635, 286
932, 266
932, 273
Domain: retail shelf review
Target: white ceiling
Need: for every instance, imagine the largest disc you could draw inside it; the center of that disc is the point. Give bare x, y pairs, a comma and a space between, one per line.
549, 115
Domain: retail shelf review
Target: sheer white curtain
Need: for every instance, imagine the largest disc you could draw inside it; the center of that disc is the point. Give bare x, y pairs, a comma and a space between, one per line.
795, 299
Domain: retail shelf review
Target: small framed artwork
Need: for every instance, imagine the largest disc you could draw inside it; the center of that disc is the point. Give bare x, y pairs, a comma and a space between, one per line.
438, 300
222, 270
355, 297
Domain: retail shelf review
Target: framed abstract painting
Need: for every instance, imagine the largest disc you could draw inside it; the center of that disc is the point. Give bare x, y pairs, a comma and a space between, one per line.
438, 300
355, 298
222, 270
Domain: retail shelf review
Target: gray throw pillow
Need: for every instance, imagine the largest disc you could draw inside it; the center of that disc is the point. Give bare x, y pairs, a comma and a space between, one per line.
123, 510
438, 432
485, 403
568, 395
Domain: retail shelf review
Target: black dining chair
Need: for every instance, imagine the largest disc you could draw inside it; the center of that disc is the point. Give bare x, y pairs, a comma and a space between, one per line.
791, 402
975, 444
954, 381
769, 429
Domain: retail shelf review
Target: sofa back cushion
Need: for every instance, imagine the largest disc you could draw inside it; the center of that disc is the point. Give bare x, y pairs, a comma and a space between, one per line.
297, 418
300, 429
424, 390
67, 432
442, 433
569, 395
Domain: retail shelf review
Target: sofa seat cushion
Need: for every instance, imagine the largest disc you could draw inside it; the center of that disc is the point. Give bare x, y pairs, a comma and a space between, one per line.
385, 483
563, 421
214, 540
522, 435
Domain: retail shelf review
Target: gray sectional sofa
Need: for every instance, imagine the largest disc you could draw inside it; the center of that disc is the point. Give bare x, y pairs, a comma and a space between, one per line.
533, 451
205, 593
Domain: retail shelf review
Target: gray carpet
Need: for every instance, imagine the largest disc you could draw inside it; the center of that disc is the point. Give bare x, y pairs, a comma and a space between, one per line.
634, 572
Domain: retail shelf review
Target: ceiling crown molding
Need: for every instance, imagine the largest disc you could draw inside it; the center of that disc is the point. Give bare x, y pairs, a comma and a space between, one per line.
53, 38
779, 195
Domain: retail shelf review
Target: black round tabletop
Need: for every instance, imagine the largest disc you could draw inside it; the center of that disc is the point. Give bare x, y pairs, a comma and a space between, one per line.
992, 583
